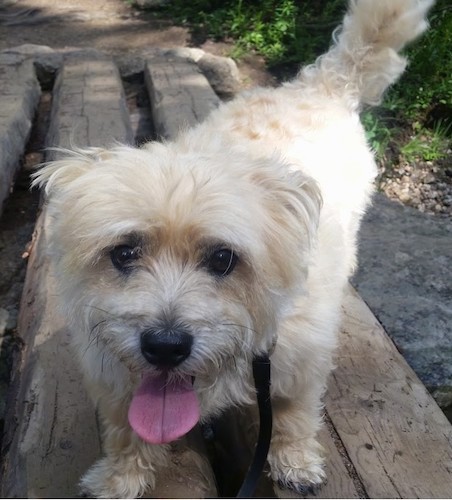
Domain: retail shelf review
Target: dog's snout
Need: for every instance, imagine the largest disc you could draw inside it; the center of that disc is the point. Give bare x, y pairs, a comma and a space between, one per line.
166, 348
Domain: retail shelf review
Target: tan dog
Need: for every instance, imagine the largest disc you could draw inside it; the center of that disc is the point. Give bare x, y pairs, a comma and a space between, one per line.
178, 262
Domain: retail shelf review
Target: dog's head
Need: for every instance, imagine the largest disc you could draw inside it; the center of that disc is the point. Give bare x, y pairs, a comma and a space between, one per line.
176, 263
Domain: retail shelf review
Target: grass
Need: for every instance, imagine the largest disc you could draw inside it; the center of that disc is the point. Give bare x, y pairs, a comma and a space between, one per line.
427, 144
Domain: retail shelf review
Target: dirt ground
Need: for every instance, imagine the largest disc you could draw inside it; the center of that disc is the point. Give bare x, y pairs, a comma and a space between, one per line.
112, 26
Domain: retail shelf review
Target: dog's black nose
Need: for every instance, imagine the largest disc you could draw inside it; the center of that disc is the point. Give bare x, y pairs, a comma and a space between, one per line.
166, 348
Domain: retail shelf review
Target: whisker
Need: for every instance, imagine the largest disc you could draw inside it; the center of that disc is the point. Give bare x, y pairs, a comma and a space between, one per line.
91, 342
100, 309
94, 338
96, 326
240, 326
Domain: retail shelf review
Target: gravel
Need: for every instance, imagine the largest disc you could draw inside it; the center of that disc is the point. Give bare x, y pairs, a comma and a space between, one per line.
426, 186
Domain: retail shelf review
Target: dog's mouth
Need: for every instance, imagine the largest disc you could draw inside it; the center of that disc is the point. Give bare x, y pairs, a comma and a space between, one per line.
163, 408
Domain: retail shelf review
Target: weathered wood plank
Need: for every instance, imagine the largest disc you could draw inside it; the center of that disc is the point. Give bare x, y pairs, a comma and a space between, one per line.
90, 107
394, 440
340, 482
51, 426
395, 434
19, 98
179, 93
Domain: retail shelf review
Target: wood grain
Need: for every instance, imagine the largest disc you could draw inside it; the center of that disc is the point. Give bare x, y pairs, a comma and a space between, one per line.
89, 105
51, 426
397, 437
179, 93
19, 98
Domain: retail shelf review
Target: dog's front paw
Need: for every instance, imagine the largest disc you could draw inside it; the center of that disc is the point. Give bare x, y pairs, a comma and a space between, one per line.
299, 467
105, 479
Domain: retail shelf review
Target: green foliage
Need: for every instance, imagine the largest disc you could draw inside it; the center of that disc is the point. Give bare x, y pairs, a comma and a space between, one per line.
377, 132
280, 30
290, 31
269, 30
428, 83
421, 102
266, 26
425, 144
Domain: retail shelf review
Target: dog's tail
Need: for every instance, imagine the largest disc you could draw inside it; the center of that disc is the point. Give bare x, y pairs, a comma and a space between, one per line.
364, 59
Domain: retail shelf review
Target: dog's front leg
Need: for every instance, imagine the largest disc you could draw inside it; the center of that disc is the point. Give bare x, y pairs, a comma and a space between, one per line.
295, 456
129, 465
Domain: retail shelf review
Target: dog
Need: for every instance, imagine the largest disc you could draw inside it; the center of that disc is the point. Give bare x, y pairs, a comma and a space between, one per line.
177, 262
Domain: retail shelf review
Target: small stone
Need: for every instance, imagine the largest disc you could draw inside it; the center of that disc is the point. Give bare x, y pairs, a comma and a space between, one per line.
443, 396
222, 73
404, 197
194, 54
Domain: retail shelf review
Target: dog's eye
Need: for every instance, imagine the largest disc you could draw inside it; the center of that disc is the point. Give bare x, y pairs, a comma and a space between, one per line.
222, 262
123, 256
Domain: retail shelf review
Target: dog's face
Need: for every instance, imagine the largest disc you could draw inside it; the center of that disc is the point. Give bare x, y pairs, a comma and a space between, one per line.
177, 262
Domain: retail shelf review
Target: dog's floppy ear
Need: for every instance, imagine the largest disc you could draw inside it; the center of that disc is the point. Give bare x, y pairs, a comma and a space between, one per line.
70, 165
291, 211
305, 201
293, 200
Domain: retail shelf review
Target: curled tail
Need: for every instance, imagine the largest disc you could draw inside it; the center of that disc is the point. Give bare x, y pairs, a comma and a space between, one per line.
364, 59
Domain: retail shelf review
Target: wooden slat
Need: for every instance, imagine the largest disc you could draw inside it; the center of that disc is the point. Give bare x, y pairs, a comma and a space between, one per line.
393, 440
340, 483
90, 107
179, 93
54, 439
395, 434
19, 98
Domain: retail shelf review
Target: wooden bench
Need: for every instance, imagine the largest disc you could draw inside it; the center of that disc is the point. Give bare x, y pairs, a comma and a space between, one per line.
384, 434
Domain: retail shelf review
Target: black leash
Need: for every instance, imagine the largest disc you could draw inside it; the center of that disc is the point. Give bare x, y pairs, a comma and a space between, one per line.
261, 374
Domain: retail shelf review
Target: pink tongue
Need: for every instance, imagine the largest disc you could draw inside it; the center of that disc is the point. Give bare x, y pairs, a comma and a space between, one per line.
162, 411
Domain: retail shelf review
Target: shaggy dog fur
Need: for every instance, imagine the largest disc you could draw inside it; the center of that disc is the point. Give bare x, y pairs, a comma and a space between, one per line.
240, 232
